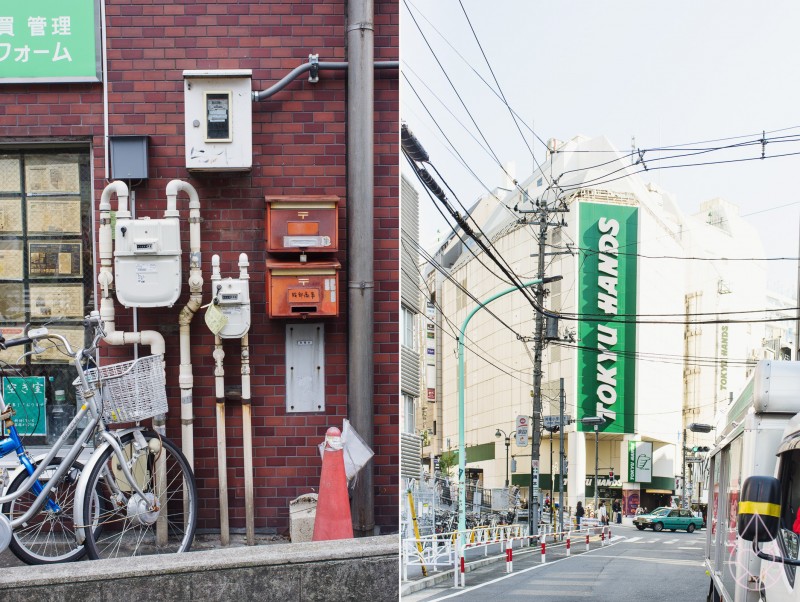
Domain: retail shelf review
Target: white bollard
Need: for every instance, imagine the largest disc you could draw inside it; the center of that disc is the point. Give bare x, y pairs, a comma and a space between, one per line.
568, 544
544, 551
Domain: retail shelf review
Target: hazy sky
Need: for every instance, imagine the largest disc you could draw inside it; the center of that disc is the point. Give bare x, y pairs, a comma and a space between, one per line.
666, 73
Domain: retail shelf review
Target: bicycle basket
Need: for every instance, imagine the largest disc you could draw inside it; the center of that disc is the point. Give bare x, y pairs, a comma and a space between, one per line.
130, 391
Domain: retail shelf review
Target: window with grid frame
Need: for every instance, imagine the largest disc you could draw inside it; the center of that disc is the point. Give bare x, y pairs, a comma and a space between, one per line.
46, 258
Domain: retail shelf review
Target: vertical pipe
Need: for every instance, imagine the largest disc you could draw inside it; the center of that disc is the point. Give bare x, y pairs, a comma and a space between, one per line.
561, 403
596, 459
247, 436
247, 421
360, 240
222, 461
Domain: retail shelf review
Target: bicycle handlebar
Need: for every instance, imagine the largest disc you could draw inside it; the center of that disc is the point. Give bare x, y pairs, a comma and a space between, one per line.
32, 335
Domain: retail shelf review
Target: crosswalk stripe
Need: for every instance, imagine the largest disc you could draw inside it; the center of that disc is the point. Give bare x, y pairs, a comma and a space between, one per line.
671, 541
632, 539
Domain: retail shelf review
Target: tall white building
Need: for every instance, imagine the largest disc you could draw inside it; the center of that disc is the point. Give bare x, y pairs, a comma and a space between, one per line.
654, 346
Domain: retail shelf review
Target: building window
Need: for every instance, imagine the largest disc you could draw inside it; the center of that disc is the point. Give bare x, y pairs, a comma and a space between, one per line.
46, 268
408, 413
409, 331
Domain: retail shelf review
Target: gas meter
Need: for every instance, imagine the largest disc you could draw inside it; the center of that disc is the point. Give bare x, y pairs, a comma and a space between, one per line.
232, 297
147, 261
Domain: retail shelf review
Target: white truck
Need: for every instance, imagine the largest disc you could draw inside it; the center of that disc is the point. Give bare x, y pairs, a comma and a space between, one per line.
751, 550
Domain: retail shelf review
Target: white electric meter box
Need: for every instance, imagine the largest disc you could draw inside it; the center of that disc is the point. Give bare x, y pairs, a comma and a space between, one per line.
233, 300
147, 262
305, 368
218, 118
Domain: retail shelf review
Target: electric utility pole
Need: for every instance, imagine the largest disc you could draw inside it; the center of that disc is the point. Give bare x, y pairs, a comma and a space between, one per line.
543, 215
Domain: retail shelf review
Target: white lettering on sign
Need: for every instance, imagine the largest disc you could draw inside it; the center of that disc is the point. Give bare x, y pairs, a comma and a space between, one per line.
607, 339
37, 28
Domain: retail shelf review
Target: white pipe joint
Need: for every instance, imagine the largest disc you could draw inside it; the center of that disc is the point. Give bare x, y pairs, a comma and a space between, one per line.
243, 263
185, 377
173, 188
119, 188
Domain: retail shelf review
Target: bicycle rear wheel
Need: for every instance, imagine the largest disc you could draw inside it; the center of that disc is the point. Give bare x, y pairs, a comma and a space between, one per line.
164, 522
49, 536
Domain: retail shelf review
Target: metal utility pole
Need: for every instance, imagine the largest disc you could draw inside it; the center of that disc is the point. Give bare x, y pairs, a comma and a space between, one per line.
561, 402
683, 470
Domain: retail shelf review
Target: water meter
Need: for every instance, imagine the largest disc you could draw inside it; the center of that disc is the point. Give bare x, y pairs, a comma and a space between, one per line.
147, 261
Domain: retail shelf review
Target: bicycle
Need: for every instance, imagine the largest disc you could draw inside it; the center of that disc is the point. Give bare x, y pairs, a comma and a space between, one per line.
136, 495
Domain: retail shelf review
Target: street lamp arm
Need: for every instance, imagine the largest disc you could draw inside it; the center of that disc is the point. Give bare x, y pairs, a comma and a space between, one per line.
462, 456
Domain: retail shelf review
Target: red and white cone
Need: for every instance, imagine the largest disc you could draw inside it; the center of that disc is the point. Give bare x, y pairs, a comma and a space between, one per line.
333, 507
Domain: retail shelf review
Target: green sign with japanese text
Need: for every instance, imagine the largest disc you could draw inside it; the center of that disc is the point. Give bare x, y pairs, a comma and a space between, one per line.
26, 395
50, 41
608, 239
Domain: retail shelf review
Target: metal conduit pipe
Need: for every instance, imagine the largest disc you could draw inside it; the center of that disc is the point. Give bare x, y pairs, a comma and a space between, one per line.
150, 338
360, 161
313, 65
185, 378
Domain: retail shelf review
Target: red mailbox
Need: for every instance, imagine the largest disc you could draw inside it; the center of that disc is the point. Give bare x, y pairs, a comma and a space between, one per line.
302, 224
301, 289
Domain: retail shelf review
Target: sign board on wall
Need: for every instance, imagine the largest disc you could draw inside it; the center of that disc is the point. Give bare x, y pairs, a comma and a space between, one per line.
26, 394
50, 41
430, 351
608, 235
640, 461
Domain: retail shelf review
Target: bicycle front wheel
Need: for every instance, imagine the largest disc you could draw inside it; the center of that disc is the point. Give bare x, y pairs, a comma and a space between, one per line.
49, 535
128, 525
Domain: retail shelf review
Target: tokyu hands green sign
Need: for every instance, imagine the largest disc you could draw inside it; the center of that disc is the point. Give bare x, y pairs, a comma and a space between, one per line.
50, 41
608, 236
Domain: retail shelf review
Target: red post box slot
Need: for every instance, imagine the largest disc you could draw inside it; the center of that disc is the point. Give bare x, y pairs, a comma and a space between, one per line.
297, 289
302, 224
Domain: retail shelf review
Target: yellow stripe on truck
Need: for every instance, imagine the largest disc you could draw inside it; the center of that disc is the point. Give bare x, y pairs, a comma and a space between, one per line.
763, 508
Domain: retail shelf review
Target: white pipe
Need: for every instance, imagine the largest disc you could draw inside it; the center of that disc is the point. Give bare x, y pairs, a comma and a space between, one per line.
222, 460
247, 425
185, 378
222, 447
151, 338
106, 157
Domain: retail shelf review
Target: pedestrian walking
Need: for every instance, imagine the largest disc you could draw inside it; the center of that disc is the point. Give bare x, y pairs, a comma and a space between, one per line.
579, 512
603, 514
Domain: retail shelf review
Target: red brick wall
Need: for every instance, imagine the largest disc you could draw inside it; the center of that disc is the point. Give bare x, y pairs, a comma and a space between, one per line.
299, 144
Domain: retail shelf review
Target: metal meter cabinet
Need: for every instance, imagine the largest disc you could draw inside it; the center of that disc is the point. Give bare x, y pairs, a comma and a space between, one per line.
298, 290
218, 119
147, 262
302, 224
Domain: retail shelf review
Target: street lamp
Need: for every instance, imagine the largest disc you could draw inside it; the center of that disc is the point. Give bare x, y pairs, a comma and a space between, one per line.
462, 451
508, 444
695, 427
594, 421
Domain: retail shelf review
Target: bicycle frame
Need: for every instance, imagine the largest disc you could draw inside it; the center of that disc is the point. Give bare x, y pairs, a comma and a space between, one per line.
32, 483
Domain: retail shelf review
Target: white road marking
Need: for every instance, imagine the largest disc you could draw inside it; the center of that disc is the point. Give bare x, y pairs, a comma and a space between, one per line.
689, 548
671, 541
632, 539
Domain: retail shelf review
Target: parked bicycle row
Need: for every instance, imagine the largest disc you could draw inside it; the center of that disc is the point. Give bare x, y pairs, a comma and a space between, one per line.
135, 495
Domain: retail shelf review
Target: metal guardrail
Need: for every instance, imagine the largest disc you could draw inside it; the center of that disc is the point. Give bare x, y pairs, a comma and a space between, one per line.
444, 550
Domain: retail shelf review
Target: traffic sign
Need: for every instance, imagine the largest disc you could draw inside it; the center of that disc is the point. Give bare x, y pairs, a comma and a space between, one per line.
523, 422
550, 421
522, 437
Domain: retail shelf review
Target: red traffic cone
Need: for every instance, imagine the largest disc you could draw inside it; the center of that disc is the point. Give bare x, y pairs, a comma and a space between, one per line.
333, 508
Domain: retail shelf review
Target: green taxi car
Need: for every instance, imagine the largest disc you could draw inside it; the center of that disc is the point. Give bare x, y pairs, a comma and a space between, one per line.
668, 518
